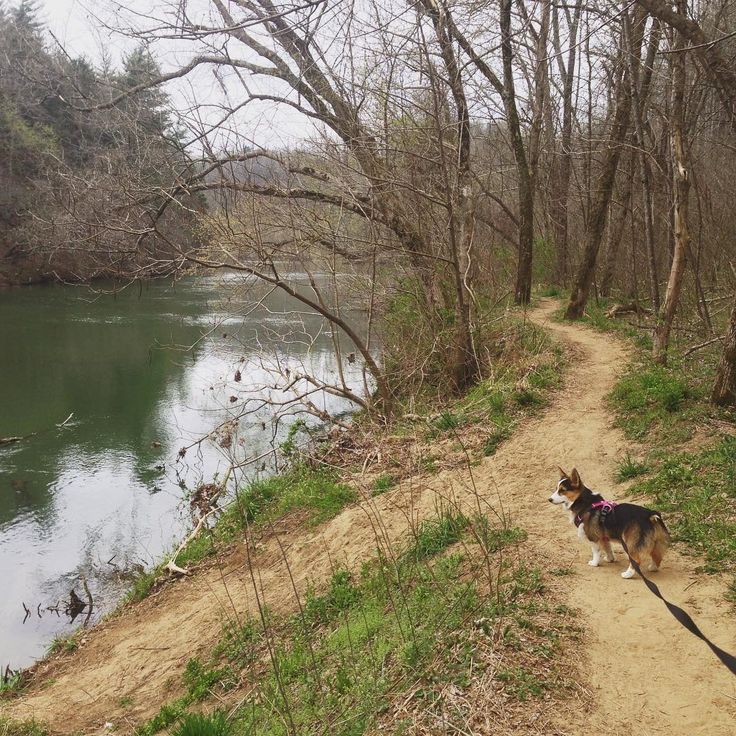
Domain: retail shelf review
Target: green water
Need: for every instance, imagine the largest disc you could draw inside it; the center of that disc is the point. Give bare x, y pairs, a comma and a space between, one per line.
106, 388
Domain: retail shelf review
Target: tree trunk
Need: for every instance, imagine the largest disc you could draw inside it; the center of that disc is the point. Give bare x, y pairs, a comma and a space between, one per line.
523, 289
681, 189
459, 194
596, 223
639, 93
561, 186
507, 91
724, 389
615, 234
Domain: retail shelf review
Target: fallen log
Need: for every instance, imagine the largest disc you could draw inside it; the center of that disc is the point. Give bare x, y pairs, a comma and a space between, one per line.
633, 308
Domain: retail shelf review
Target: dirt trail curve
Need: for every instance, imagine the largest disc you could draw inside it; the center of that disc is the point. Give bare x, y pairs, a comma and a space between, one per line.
648, 675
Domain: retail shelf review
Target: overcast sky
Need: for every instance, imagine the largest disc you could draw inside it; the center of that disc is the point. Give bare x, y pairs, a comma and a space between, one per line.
83, 27
76, 23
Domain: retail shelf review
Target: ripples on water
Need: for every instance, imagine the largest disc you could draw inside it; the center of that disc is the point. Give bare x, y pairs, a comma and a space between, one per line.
143, 373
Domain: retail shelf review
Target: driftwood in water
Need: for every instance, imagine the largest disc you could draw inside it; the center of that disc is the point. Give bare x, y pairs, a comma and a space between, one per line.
19, 438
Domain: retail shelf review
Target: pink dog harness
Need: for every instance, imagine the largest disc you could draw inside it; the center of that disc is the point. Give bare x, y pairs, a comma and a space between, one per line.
605, 506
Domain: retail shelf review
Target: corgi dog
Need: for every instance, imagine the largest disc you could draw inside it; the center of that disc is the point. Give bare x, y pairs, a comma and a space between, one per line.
600, 521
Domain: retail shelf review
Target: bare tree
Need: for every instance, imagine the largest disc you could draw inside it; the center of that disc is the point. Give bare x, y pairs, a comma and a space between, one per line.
596, 221
681, 186
560, 185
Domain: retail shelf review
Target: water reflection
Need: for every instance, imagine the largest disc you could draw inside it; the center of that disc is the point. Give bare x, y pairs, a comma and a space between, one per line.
142, 373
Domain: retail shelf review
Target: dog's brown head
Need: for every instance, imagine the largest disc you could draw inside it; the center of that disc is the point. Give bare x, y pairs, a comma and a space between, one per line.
568, 488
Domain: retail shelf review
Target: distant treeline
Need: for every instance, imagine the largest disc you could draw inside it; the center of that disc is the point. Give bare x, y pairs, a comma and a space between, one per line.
69, 173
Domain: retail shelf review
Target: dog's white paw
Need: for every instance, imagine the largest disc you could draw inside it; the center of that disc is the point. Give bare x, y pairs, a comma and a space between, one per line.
610, 558
593, 563
628, 574
652, 567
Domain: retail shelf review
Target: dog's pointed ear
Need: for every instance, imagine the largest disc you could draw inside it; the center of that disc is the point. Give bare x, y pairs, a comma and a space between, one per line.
575, 478
563, 474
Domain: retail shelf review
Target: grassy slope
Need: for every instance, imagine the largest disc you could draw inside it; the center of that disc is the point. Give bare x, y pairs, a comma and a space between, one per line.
450, 609
384, 644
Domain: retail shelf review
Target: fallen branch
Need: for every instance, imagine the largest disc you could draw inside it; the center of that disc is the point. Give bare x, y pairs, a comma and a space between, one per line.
63, 424
20, 438
633, 308
702, 345
171, 565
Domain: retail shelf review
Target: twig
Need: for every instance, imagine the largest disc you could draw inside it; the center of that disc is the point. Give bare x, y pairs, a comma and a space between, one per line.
701, 345
89, 598
63, 424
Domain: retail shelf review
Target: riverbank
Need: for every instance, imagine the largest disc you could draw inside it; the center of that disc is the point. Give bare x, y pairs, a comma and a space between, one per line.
96, 489
57, 268
455, 600
364, 465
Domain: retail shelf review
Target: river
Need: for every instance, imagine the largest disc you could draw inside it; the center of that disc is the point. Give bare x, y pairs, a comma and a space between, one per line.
105, 389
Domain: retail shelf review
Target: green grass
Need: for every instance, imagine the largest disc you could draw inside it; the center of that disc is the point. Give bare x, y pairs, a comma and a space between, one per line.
66, 643
527, 398
494, 440
515, 390
663, 406
301, 487
13, 683
200, 681
448, 421
370, 636
144, 584
375, 635
697, 492
315, 490
237, 641
429, 464
551, 291
435, 535
629, 468
10, 727
198, 724
341, 595
383, 483
649, 396
521, 684
495, 538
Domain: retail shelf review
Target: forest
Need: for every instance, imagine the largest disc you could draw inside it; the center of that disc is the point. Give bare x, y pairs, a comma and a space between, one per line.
66, 176
478, 151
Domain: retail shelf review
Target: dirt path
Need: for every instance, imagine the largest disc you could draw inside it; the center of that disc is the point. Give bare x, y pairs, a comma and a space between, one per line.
648, 675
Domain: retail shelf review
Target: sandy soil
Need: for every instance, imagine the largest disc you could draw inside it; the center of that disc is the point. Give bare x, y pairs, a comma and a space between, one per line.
647, 675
